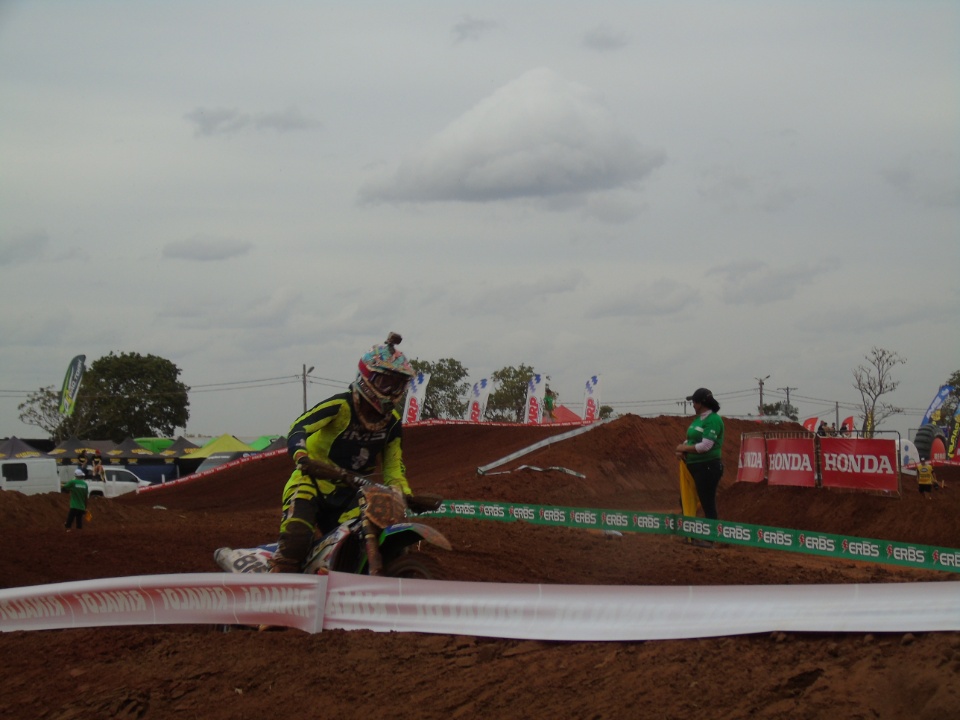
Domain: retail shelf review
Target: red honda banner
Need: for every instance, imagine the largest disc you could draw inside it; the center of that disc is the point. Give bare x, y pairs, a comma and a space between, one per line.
753, 459
861, 464
791, 461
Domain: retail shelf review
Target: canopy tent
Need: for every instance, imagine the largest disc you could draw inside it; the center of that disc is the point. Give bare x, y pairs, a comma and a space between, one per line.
222, 447
279, 444
180, 446
265, 441
156, 444
130, 452
71, 448
14, 448
223, 444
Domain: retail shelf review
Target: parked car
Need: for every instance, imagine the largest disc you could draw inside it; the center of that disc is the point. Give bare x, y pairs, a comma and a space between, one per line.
120, 481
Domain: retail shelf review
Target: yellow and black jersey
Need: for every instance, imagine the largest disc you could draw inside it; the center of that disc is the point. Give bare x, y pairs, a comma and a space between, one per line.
330, 432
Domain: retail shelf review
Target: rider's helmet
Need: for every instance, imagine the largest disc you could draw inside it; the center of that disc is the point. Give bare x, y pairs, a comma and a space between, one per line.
382, 378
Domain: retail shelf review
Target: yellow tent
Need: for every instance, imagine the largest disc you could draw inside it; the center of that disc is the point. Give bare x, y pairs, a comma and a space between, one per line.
222, 444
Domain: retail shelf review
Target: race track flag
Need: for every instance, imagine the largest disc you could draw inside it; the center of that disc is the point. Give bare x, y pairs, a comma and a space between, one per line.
533, 413
689, 500
942, 394
477, 403
810, 424
416, 392
71, 385
849, 423
591, 400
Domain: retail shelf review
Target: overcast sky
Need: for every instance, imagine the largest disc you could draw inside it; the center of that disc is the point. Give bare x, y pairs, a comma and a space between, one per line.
668, 194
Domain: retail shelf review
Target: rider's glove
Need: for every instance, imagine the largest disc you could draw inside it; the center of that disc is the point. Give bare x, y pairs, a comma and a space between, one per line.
424, 503
320, 470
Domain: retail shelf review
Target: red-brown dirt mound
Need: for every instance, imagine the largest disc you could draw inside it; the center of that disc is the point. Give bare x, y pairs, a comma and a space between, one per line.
159, 672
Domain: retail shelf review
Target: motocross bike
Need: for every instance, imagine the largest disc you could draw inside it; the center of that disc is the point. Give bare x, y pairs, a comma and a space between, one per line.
379, 541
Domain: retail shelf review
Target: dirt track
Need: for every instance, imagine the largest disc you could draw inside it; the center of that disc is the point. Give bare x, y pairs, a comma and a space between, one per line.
186, 672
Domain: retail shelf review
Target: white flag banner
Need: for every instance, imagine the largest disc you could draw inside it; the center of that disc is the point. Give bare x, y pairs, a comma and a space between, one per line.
477, 404
534, 405
416, 392
591, 400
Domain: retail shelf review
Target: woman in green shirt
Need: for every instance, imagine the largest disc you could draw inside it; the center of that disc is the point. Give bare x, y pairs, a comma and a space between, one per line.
702, 451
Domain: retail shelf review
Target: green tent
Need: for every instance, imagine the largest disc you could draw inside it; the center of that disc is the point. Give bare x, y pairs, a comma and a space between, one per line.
264, 441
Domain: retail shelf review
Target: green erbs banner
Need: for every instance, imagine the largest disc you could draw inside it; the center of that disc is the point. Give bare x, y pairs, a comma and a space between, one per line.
71, 385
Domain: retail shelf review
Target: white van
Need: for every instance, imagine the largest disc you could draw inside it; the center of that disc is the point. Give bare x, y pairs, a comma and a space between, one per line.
120, 481
30, 476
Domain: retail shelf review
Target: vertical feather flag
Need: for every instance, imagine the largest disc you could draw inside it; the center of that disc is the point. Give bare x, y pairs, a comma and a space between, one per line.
71, 385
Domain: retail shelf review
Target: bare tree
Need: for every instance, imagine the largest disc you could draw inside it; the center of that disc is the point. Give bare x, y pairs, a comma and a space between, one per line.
874, 381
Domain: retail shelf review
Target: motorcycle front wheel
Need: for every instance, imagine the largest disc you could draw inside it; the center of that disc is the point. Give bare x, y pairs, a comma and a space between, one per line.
414, 565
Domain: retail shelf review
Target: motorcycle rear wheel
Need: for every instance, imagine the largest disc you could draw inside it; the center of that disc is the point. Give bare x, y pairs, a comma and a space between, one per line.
414, 565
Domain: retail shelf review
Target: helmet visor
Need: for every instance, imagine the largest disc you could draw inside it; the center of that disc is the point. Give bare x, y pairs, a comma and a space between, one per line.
389, 383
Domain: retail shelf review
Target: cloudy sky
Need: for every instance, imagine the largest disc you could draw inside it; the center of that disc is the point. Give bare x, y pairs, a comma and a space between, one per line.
669, 194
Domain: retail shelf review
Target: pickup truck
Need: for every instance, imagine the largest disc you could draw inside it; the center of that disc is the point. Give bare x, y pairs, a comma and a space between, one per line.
120, 481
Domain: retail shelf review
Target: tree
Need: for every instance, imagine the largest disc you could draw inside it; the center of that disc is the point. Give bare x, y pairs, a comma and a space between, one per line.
949, 407
125, 395
506, 403
447, 390
781, 408
873, 381
42, 409
605, 411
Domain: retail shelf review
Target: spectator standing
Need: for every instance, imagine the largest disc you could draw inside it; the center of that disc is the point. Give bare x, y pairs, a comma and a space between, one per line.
702, 451
78, 499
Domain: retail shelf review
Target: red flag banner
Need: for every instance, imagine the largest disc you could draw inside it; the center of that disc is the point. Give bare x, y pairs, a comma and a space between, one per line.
810, 424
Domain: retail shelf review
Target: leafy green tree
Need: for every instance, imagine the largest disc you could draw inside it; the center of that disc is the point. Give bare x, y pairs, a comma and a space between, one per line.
42, 409
447, 390
125, 395
606, 411
506, 403
782, 408
134, 395
873, 381
949, 407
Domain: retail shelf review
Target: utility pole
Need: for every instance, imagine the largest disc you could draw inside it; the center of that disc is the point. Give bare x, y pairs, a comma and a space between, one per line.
684, 403
305, 373
787, 391
761, 380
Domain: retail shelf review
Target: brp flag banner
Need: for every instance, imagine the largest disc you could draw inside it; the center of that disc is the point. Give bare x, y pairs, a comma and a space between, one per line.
591, 400
477, 404
536, 387
416, 392
942, 394
71, 385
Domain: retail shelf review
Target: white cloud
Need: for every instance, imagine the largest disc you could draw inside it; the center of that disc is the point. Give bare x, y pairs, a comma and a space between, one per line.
536, 137
660, 298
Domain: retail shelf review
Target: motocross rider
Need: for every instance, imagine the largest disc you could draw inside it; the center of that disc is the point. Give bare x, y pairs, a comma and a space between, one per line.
342, 436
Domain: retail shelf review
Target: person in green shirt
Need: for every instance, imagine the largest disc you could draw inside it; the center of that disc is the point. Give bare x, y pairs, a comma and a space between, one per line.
78, 499
702, 451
